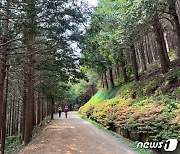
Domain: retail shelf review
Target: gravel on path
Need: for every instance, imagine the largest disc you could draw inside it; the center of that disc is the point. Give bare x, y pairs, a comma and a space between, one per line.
74, 135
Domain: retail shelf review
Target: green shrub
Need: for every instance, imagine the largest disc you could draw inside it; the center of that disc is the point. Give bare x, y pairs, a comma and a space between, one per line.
99, 113
13, 144
133, 87
87, 110
152, 85
123, 111
170, 53
173, 76
176, 93
100, 96
119, 81
157, 116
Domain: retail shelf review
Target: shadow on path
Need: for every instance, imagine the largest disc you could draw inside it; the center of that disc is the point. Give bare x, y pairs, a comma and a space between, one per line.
74, 135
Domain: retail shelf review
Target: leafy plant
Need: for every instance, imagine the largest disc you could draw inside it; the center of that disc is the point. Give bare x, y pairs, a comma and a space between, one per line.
157, 116
13, 144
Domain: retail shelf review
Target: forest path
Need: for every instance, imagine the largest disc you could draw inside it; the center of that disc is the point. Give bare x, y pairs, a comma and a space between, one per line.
75, 136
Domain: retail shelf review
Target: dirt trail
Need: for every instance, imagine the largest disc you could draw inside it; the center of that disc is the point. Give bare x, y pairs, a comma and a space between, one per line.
75, 136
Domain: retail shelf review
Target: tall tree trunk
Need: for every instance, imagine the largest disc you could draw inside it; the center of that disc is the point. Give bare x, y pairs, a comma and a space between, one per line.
92, 89
102, 81
178, 34
4, 117
148, 49
152, 46
10, 117
23, 114
118, 71
30, 38
39, 108
12, 120
52, 107
29, 104
106, 81
18, 108
134, 62
142, 55
145, 50
42, 108
161, 42
111, 77
3, 59
176, 24
165, 48
123, 66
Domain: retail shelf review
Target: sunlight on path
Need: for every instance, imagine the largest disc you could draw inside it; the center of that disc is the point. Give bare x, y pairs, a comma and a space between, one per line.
75, 136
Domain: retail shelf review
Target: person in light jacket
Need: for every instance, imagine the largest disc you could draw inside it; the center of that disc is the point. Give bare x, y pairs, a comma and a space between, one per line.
59, 110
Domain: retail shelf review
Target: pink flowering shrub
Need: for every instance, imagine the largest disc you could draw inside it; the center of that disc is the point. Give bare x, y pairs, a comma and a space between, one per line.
159, 116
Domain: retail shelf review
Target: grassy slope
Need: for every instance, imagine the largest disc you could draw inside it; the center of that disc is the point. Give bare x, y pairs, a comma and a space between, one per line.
154, 85
100, 96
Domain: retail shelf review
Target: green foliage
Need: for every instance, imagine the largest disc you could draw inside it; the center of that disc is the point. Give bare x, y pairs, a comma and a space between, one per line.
119, 81
103, 95
157, 116
174, 76
176, 93
170, 53
45, 121
147, 87
152, 85
128, 89
87, 110
97, 98
115, 25
13, 144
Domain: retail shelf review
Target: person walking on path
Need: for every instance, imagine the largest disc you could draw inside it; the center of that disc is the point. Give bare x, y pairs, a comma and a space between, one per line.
66, 109
59, 110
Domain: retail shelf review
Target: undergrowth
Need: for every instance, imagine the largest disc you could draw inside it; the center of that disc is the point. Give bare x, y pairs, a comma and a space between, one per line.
139, 109
13, 144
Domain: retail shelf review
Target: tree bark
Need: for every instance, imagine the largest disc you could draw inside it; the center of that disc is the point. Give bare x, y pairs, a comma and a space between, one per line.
161, 42
150, 58
12, 120
29, 104
92, 89
3, 59
134, 62
111, 77
102, 81
176, 24
39, 108
30, 38
23, 114
118, 71
4, 117
52, 107
123, 66
42, 108
142, 55
106, 81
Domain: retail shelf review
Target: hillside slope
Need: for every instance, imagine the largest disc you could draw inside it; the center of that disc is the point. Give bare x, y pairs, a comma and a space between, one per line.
144, 110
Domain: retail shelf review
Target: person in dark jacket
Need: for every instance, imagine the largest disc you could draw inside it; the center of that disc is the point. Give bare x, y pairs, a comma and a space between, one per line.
66, 109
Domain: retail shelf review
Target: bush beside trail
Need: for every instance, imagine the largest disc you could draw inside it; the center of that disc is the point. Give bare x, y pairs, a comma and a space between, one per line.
148, 115
153, 117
